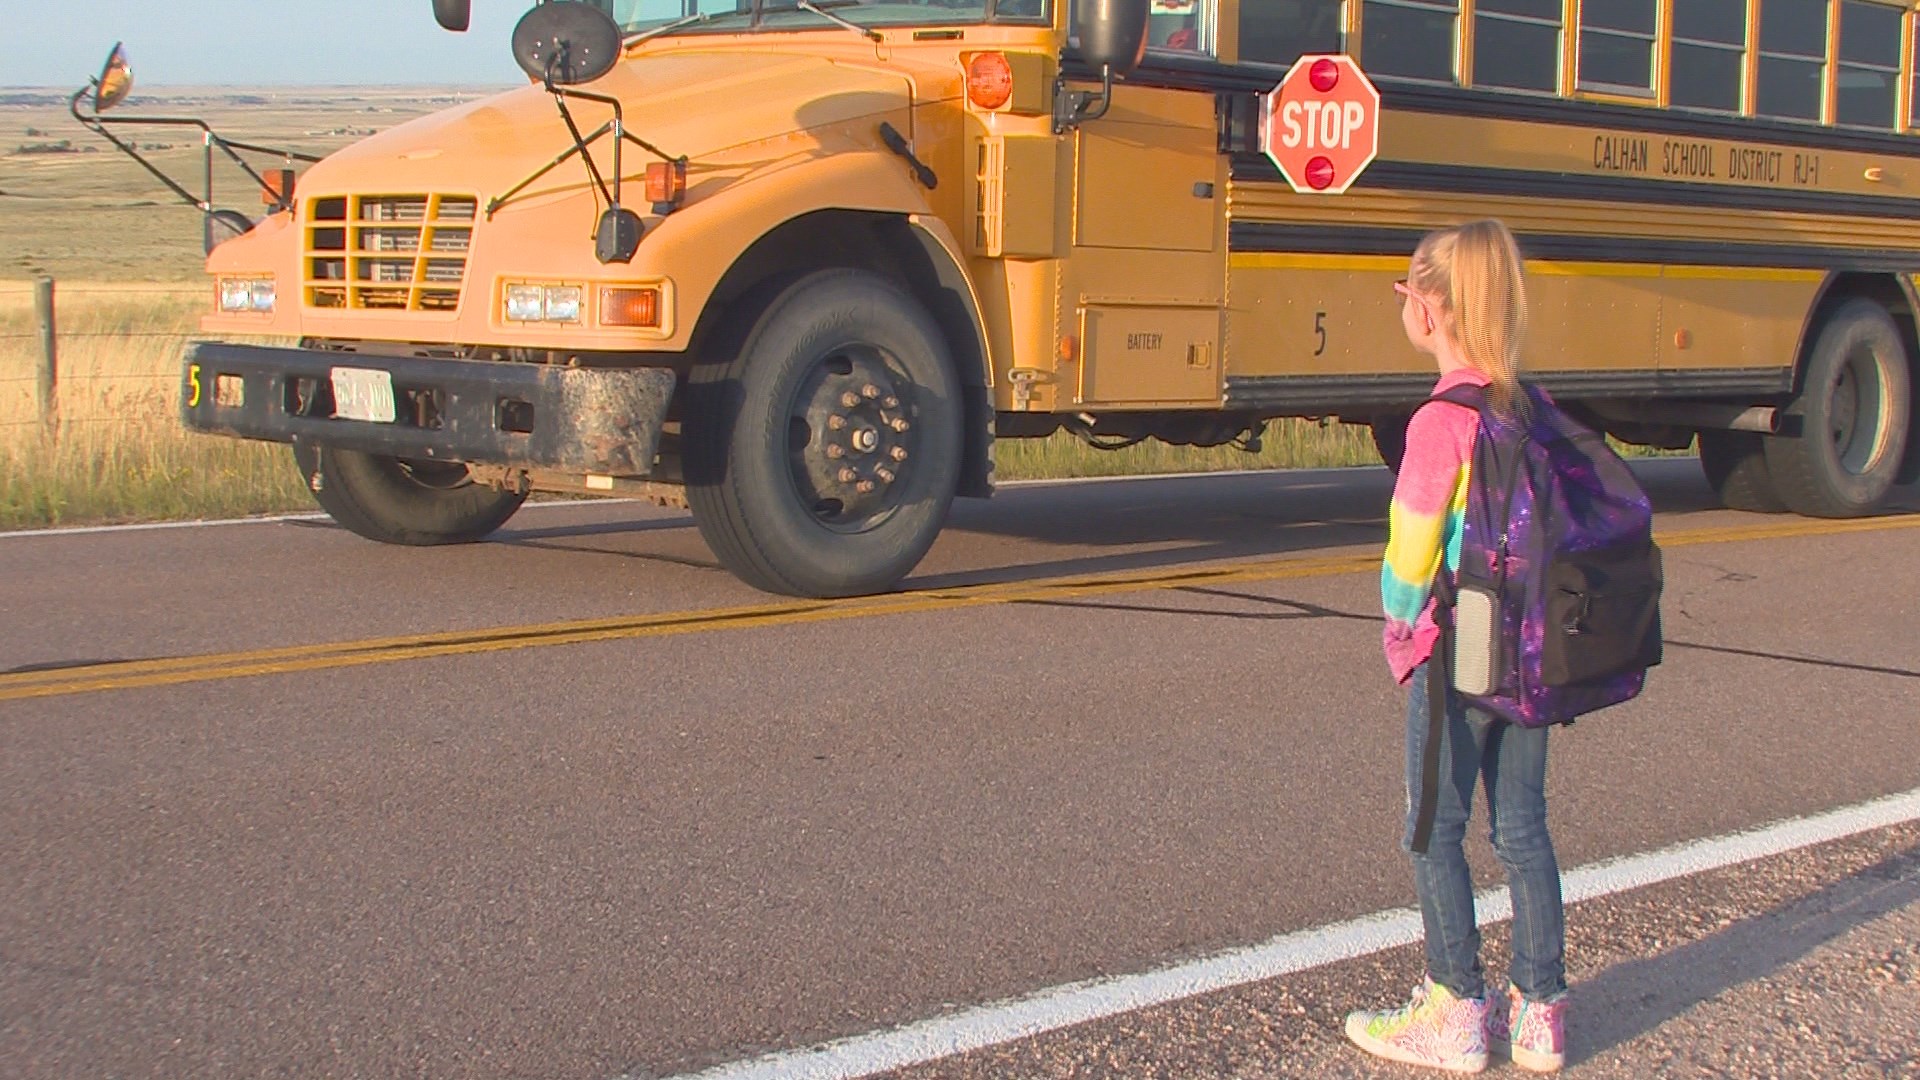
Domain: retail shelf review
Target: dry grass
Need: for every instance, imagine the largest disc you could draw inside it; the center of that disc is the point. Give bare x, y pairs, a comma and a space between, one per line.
119, 452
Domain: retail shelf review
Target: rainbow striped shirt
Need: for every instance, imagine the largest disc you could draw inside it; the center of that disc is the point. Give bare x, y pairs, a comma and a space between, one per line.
1423, 522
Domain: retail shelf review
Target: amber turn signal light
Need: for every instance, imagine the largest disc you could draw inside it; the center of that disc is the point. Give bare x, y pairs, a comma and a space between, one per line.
626, 306
989, 80
276, 187
666, 184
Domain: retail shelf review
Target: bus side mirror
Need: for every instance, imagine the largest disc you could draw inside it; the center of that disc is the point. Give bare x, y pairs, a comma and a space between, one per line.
1112, 33
452, 14
566, 43
115, 81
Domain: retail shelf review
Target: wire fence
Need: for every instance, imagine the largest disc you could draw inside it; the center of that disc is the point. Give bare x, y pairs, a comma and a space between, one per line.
89, 354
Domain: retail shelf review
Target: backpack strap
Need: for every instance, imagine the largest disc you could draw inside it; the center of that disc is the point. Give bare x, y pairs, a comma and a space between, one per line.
1440, 664
1439, 675
1471, 395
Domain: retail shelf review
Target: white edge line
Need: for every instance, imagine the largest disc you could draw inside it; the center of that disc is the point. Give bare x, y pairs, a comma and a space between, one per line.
264, 519
273, 519
1074, 1003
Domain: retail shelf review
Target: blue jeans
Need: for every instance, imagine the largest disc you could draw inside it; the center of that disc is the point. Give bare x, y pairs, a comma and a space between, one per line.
1476, 746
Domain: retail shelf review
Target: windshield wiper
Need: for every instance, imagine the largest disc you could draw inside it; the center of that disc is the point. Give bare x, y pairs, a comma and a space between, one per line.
865, 32
668, 28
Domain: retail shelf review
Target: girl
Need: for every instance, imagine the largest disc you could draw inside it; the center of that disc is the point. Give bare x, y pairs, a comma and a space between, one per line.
1464, 304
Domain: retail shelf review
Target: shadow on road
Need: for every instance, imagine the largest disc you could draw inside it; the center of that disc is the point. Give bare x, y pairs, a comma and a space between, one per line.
1632, 998
1167, 522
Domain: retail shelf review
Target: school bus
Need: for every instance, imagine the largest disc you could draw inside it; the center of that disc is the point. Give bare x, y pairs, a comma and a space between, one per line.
802, 265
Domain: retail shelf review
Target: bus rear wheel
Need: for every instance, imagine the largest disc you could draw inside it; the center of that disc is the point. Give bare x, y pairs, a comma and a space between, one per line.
1846, 430
1736, 466
823, 438
400, 501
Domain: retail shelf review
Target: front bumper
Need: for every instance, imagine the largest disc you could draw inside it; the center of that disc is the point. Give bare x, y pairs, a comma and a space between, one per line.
576, 420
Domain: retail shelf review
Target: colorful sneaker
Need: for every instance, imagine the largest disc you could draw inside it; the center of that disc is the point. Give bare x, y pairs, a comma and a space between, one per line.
1538, 1032
1435, 1029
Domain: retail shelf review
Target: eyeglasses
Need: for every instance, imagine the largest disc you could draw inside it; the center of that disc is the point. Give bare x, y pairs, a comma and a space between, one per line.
1401, 288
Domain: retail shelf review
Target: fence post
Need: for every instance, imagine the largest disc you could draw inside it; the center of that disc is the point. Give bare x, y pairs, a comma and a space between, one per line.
47, 385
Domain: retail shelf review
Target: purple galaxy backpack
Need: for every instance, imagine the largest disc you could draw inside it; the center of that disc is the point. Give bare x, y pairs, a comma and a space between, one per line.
1555, 610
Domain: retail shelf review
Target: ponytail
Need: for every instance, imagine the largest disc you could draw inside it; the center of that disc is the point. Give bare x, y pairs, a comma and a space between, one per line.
1477, 268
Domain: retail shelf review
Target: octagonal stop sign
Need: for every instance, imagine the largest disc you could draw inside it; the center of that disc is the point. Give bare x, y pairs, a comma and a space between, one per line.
1321, 124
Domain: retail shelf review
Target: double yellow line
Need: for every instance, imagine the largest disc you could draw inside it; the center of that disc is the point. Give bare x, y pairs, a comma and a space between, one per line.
136, 674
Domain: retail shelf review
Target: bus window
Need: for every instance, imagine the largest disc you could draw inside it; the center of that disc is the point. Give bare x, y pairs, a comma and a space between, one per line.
1709, 50
1516, 44
1180, 25
1616, 46
1869, 65
1793, 57
1279, 31
1410, 39
638, 13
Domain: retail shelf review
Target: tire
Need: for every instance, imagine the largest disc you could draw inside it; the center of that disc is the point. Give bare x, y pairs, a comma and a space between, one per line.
1847, 429
1390, 438
1736, 466
416, 503
797, 412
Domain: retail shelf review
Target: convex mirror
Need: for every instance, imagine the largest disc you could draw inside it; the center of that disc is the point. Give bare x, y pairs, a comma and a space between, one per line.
568, 42
452, 14
115, 81
1112, 33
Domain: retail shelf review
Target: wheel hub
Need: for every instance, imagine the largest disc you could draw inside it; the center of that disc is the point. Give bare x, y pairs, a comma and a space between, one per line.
850, 439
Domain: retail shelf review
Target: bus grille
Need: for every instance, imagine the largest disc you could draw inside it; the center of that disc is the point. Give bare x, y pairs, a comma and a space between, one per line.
387, 252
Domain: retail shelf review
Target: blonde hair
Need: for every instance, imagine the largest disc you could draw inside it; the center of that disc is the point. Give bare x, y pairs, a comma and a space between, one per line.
1476, 271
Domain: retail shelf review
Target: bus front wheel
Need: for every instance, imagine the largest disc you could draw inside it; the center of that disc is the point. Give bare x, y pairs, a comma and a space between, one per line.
1844, 433
823, 437
398, 501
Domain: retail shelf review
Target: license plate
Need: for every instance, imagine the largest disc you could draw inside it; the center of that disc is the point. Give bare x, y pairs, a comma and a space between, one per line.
363, 394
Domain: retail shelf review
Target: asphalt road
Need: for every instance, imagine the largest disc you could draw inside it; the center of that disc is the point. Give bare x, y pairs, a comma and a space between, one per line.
275, 801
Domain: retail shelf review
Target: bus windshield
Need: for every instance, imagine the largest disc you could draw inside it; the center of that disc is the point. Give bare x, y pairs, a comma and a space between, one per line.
639, 16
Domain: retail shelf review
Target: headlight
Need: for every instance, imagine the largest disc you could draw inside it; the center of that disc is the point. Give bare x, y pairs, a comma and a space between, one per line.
247, 294
525, 303
543, 303
563, 303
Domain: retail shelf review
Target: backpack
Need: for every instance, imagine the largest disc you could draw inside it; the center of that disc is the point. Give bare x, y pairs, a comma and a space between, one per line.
1555, 609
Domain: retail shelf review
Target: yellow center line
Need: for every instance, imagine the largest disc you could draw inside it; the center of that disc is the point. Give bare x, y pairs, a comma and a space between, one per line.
170, 671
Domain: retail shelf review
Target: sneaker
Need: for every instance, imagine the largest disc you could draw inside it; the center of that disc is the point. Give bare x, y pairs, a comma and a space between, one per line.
1434, 1028
1538, 1032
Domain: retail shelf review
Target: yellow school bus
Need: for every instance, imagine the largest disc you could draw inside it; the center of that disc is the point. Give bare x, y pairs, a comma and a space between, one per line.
803, 264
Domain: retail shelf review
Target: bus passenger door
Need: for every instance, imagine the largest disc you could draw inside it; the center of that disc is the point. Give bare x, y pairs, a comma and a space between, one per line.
1144, 286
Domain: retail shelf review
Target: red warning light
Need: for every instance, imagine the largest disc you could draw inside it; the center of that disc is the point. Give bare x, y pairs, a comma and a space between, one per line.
1324, 75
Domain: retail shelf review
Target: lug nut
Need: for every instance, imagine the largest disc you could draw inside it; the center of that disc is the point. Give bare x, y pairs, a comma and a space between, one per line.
834, 451
836, 422
885, 474
869, 391
848, 476
891, 403
849, 399
900, 425
898, 453
864, 487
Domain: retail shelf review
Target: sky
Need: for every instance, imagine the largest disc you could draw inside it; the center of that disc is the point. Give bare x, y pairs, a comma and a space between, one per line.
61, 43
